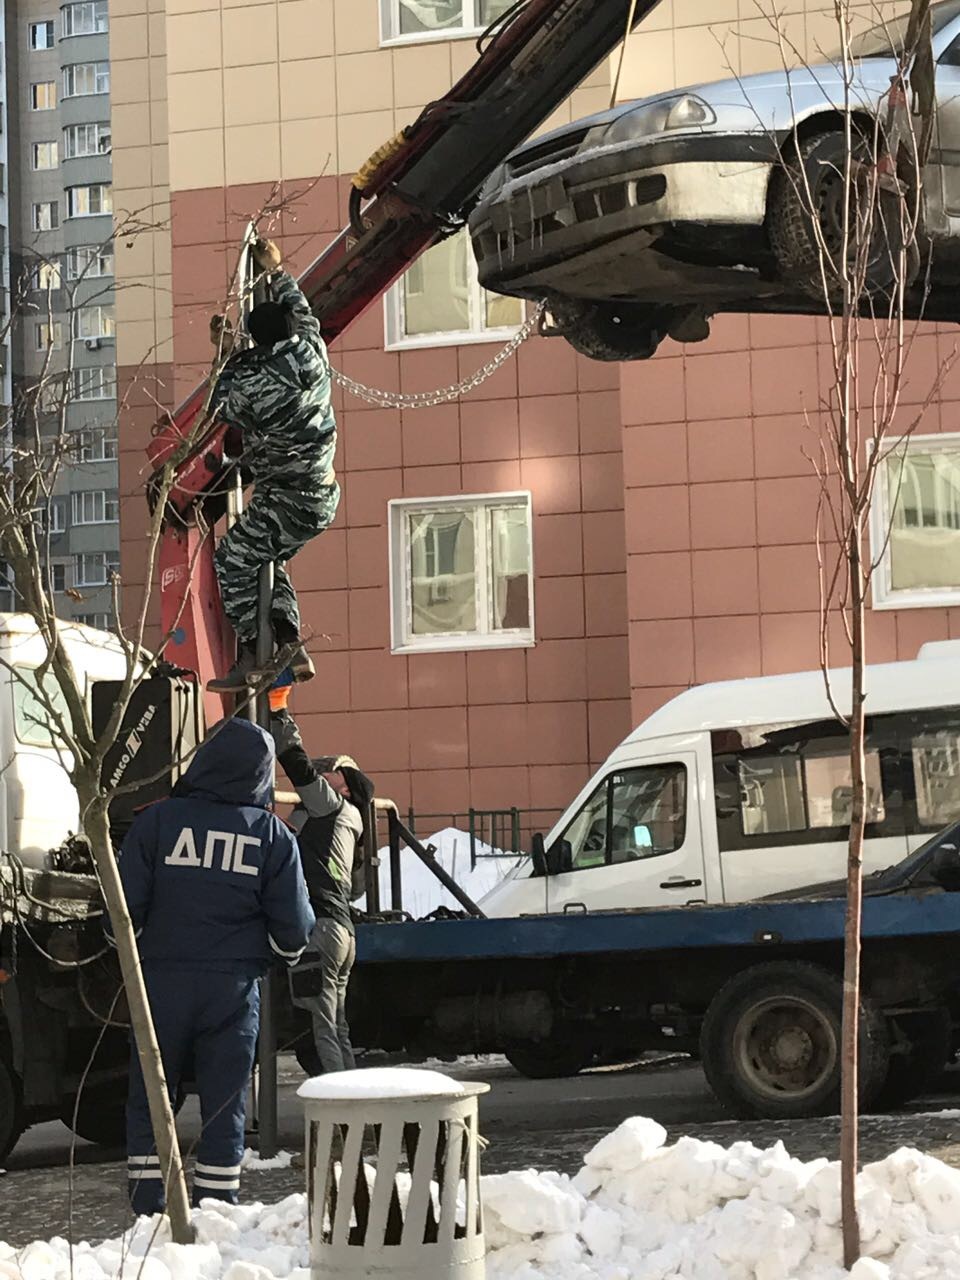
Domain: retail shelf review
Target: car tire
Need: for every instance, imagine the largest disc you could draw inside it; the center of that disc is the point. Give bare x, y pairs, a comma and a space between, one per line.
811, 177
550, 1059
11, 1108
100, 1118
607, 331
771, 1047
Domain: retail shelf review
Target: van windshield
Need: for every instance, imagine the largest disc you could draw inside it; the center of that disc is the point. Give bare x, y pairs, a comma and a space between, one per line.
887, 39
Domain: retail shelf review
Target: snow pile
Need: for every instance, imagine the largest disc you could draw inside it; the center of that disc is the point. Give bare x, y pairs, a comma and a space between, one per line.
380, 1082
423, 892
638, 1210
697, 1211
251, 1160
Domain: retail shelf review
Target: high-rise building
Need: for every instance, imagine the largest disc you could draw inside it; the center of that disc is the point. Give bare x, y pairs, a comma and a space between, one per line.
60, 245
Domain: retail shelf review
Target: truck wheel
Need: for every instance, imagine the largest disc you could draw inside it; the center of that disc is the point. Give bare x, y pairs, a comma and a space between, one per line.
11, 1109
608, 330
805, 215
548, 1059
770, 1043
917, 1070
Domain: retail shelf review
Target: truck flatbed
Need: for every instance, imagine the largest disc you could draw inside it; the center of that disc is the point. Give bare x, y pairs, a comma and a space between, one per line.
919, 914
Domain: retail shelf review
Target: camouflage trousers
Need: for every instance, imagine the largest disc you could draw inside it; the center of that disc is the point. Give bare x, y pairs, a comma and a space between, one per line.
273, 528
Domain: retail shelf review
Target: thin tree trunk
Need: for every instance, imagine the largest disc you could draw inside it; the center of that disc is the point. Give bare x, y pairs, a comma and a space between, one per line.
849, 1101
145, 1038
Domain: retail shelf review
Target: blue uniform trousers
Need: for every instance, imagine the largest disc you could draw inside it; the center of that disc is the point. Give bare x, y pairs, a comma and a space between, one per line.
211, 1020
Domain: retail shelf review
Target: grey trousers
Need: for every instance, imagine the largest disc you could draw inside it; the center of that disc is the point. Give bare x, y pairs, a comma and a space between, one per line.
319, 985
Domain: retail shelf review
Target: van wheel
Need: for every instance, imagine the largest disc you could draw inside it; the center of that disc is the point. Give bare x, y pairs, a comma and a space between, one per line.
771, 1044
100, 1118
548, 1059
11, 1108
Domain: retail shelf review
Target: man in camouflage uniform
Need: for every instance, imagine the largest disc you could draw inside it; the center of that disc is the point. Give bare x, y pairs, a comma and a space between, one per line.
278, 394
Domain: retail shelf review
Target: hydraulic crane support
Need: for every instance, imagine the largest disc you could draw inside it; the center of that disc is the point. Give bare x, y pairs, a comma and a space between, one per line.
418, 193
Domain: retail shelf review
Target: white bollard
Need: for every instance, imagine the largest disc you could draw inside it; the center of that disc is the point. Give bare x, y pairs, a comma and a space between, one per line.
393, 1176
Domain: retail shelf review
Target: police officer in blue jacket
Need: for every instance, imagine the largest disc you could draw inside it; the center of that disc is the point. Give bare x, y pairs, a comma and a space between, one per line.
215, 890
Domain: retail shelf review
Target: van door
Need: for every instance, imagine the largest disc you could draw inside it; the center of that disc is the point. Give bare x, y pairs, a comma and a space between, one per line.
40, 802
636, 842
930, 743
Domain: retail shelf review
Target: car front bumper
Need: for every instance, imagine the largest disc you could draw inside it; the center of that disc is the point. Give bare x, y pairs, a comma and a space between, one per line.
533, 225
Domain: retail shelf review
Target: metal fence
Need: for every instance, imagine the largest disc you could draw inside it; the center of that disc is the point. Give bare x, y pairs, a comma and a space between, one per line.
502, 830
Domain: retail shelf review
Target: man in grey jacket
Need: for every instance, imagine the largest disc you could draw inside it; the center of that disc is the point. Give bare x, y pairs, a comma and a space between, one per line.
329, 826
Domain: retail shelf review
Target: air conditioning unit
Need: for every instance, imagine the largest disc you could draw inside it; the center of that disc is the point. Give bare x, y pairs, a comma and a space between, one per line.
92, 344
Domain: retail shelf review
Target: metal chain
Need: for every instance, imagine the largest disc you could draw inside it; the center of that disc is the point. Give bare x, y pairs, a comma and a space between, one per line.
425, 399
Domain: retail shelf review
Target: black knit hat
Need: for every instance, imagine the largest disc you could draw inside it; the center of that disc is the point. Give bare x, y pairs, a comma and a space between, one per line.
268, 323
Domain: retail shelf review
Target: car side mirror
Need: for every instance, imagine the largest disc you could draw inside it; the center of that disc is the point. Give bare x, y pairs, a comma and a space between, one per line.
945, 868
559, 858
538, 855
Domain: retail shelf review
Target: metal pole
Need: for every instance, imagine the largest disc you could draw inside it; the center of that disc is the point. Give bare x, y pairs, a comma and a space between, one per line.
448, 882
371, 860
267, 1045
396, 886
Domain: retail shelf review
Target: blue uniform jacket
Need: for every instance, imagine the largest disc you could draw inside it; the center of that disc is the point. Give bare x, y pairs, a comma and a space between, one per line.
213, 879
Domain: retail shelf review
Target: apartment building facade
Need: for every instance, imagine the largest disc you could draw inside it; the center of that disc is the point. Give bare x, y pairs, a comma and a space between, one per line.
517, 577
62, 276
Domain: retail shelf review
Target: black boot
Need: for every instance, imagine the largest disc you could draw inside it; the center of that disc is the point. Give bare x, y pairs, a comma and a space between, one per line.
290, 648
236, 679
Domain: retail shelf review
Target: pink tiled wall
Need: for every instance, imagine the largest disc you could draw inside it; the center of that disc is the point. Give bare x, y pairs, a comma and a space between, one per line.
721, 503
446, 731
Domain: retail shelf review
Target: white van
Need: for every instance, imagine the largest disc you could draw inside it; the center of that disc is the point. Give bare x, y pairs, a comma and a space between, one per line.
739, 789
38, 805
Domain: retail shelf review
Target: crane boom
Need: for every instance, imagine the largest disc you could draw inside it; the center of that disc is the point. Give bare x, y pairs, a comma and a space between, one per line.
422, 188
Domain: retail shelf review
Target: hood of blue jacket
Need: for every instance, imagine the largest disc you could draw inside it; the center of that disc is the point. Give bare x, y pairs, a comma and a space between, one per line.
235, 766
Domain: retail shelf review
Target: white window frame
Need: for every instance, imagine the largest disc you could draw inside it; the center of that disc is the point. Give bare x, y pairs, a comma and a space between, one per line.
36, 26
93, 337
53, 329
36, 219
390, 33
47, 268
98, 12
61, 565
104, 382
99, 621
99, 76
95, 506
401, 638
393, 320
96, 255
88, 437
106, 200
54, 153
99, 131
109, 567
883, 594
41, 84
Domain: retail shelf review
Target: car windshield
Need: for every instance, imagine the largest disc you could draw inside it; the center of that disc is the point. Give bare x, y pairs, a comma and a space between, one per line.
887, 39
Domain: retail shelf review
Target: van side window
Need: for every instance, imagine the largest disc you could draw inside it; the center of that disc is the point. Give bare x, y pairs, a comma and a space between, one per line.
31, 720
635, 814
798, 793
935, 757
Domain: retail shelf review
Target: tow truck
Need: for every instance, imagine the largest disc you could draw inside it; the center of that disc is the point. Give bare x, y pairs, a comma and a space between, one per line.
754, 989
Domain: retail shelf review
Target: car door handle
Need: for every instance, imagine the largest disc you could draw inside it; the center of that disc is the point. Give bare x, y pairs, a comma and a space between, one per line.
678, 883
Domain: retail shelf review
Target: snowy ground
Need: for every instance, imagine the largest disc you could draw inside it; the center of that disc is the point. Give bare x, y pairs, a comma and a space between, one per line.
637, 1210
423, 892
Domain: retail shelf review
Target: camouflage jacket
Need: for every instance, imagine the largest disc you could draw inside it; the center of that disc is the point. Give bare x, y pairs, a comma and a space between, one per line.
279, 397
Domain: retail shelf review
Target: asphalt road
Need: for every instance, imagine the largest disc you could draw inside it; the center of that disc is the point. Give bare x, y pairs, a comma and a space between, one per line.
546, 1124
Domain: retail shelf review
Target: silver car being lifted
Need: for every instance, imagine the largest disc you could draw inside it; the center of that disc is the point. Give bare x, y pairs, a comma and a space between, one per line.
640, 222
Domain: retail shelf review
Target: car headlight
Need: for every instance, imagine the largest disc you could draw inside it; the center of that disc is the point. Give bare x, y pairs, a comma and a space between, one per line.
685, 111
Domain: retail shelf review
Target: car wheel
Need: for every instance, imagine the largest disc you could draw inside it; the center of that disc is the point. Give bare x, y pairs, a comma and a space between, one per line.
11, 1108
607, 330
771, 1046
806, 216
917, 1069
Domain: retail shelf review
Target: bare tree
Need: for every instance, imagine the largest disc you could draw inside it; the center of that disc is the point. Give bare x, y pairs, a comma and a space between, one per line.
44, 435
851, 222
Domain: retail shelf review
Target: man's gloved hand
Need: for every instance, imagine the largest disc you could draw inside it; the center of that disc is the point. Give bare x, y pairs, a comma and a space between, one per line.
285, 732
266, 255
221, 333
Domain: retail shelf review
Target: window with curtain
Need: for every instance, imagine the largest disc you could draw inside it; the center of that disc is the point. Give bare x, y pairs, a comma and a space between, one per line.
462, 574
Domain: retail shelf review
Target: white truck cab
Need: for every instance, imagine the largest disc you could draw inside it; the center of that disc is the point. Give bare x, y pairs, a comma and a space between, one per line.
739, 789
38, 805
